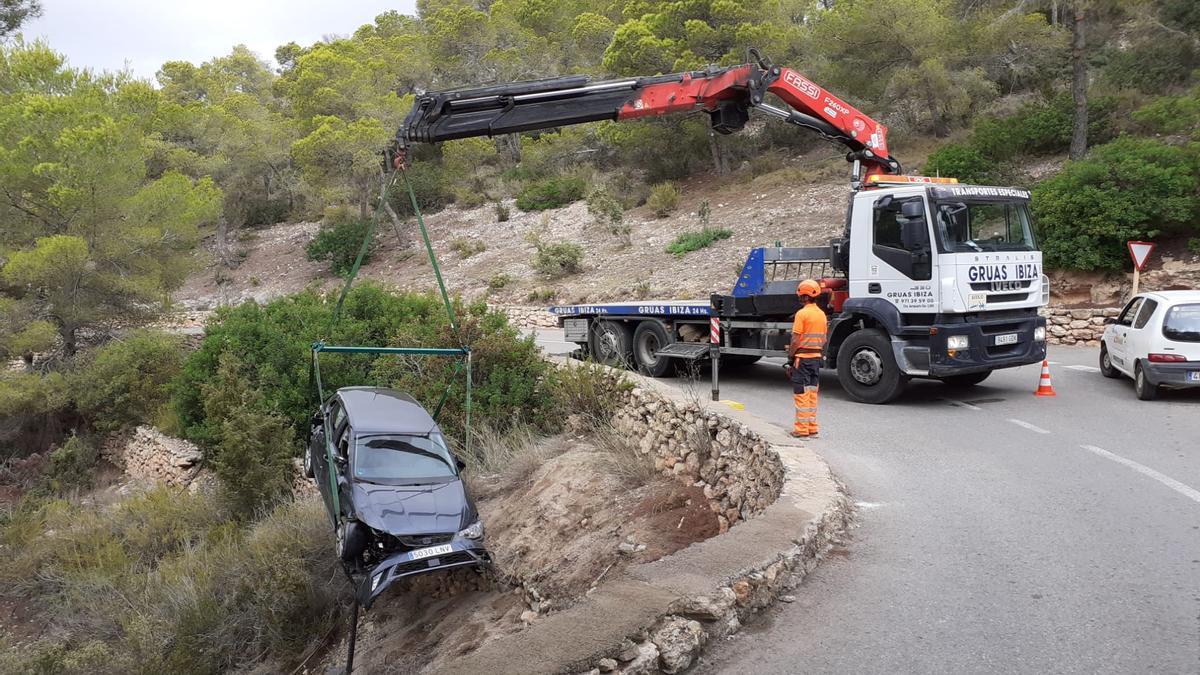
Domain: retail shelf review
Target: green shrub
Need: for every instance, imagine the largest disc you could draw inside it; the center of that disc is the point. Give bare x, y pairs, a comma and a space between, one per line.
704, 213
959, 161
252, 452
551, 193
696, 240
607, 213
465, 248
1127, 189
541, 295
72, 465
1171, 114
557, 260
590, 390
664, 198
1193, 245
499, 281
503, 213
1037, 129
339, 243
162, 582
127, 382
273, 343
267, 212
1154, 65
432, 186
36, 412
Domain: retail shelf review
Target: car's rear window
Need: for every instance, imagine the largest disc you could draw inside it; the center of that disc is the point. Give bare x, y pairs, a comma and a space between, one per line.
402, 459
1182, 323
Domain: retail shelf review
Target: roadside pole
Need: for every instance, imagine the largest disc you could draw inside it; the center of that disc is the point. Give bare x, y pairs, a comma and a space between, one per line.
714, 352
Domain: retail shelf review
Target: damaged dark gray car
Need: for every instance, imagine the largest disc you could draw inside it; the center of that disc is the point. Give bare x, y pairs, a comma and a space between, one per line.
392, 489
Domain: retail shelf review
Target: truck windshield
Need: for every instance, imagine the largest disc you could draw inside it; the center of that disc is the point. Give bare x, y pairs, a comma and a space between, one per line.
1182, 323
402, 459
968, 226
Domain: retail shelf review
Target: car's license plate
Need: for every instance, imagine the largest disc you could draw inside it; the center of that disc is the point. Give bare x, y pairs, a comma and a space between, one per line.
1194, 376
1008, 339
422, 553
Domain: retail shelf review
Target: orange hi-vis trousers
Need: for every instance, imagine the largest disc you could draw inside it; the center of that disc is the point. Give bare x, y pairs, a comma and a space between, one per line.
805, 381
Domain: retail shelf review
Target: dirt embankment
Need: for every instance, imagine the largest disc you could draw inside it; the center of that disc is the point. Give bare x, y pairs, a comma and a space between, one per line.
779, 206
556, 533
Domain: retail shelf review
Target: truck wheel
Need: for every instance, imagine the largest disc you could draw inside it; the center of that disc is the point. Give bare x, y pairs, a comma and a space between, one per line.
650, 337
966, 380
609, 344
1142, 387
867, 367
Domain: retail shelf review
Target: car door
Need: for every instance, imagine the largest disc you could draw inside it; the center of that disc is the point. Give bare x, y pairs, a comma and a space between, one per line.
1140, 334
1118, 351
334, 419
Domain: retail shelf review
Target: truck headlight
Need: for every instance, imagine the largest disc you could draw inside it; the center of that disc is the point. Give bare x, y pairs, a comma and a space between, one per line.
1039, 334
958, 342
472, 531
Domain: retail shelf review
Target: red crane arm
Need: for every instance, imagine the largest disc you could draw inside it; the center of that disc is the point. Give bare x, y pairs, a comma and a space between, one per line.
726, 95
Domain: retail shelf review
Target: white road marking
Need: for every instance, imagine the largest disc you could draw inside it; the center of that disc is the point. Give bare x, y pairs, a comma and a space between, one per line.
961, 404
1185, 490
1027, 425
1086, 369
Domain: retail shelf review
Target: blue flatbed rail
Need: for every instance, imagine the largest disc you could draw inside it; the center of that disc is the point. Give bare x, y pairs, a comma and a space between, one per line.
662, 308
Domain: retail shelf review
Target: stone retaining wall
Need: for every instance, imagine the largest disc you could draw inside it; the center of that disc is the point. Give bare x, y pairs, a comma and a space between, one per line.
738, 470
527, 317
151, 455
1078, 326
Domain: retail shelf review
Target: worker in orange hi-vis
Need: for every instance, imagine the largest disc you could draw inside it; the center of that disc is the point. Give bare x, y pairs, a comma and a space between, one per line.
804, 357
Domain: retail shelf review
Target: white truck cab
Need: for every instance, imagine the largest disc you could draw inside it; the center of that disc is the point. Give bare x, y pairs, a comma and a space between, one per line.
950, 274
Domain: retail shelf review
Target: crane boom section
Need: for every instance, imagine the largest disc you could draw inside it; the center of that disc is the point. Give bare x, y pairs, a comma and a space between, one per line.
726, 95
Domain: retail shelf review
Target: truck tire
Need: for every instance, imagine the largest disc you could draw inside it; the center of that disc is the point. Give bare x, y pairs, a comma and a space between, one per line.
969, 380
648, 338
867, 367
609, 344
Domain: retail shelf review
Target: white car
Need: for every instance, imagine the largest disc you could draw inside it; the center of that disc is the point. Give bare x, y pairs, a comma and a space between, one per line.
1156, 341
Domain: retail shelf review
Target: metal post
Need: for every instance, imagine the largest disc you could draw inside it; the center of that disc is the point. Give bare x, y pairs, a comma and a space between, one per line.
353, 635
715, 356
1137, 277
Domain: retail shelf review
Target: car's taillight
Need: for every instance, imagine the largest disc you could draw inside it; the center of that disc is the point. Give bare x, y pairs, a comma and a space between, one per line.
1167, 358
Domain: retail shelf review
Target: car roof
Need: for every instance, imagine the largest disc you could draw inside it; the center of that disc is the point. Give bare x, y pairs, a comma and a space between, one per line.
384, 410
1175, 296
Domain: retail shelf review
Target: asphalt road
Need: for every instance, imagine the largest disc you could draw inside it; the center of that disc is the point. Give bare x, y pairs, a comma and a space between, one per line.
997, 531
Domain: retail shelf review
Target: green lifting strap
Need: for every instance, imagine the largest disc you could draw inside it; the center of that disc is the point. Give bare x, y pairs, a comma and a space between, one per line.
437, 271
362, 252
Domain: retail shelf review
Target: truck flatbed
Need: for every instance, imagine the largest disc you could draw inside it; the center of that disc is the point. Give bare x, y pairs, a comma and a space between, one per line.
659, 308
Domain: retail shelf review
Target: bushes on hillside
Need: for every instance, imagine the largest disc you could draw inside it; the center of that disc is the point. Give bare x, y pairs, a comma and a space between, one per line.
960, 161
1127, 189
127, 382
664, 198
162, 583
557, 259
551, 193
273, 342
694, 241
338, 243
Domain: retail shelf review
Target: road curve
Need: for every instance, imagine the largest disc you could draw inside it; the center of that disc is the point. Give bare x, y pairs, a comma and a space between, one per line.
998, 531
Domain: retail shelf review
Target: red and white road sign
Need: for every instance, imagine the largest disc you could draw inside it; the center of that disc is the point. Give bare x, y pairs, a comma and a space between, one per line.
714, 331
1140, 252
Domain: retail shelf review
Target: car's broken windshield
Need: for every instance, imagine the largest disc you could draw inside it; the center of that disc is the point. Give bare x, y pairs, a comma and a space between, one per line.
975, 227
396, 459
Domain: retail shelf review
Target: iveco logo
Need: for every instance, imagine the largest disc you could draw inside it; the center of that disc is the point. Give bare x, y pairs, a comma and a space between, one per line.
1004, 286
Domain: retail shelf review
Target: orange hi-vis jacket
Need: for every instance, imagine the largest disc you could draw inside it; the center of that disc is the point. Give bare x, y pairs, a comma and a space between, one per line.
808, 332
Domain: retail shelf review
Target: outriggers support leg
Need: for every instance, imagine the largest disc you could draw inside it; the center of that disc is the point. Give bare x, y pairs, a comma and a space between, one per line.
353, 636
714, 353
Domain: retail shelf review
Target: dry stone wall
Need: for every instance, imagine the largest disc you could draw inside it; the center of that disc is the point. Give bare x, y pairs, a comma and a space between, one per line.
1076, 326
151, 455
740, 473
528, 317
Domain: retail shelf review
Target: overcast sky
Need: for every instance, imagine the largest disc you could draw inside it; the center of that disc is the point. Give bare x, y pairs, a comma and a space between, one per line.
143, 34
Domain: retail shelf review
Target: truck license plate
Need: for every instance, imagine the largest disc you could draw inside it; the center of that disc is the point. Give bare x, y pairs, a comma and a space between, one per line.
430, 552
1194, 376
1007, 339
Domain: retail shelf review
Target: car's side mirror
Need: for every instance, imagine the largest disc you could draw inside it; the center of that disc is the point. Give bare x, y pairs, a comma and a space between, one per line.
912, 234
912, 209
318, 418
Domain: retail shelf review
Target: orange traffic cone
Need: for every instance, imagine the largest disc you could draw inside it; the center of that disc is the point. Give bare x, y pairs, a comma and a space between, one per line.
1044, 386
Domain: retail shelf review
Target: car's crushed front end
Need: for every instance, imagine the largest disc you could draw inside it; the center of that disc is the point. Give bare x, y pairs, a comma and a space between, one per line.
411, 555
